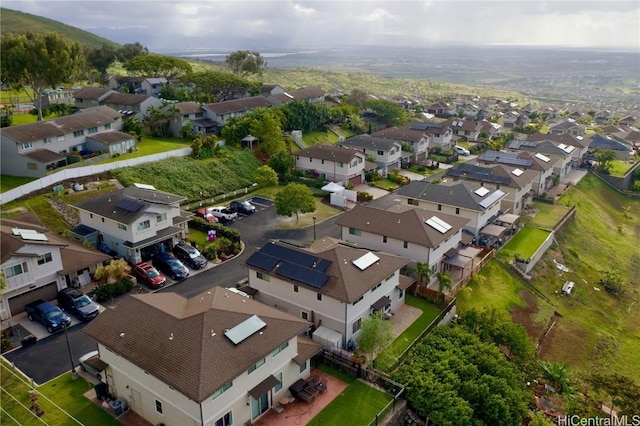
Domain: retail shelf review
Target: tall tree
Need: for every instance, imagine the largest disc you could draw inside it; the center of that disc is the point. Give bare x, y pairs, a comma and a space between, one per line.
375, 335
305, 115
390, 113
294, 198
157, 66
444, 283
218, 86
130, 51
266, 176
245, 63
101, 59
423, 273
32, 62
266, 127
282, 163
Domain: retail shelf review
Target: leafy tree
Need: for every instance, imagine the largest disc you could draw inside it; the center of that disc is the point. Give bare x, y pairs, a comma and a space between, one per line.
265, 126
100, 59
357, 98
158, 120
444, 283
621, 389
130, 51
208, 146
3, 282
389, 112
217, 86
187, 131
245, 63
605, 158
32, 62
305, 115
59, 109
133, 126
6, 115
294, 198
115, 270
157, 66
558, 374
266, 176
612, 281
423, 273
282, 163
375, 335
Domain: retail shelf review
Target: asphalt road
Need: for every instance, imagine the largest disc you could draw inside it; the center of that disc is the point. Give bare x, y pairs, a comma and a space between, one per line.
48, 358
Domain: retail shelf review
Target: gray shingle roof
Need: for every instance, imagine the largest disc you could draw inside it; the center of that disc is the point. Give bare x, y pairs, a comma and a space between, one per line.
237, 105
606, 142
111, 137
328, 152
90, 93
369, 142
116, 98
459, 194
188, 107
182, 341
404, 133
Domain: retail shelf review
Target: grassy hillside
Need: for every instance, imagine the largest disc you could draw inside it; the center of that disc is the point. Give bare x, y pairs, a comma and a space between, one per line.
12, 21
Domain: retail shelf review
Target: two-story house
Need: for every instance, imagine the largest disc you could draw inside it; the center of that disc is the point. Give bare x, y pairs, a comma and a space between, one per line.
468, 130
131, 104
387, 153
333, 163
567, 127
407, 231
478, 204
216, 359
622, 150
510, 119
413, 140
547, 151
541, 164
37, 263
220, 112
441, 109
311, 94
331, 284
137, 221
90, 96
516, 183
577, 146
191, 113
438, 134
139, 85
31, 149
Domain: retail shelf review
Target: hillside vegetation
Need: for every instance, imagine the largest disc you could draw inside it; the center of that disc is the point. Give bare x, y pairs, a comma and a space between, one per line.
12, 21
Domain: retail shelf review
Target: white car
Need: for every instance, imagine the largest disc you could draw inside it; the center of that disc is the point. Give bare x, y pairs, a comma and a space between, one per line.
224, 214
461, 150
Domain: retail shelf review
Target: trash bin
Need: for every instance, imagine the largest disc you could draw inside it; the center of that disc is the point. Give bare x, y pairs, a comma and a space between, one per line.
117, 405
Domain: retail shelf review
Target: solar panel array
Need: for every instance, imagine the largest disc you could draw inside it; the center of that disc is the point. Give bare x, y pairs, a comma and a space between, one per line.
245, 329
491, 199
295, 256
477, 173
262, 261
508, 158
130, 205
438, 224
304, 275
542, 157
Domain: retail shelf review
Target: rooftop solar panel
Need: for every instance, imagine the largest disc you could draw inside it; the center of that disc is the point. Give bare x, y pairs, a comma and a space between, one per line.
294, 256
366, 260
262, 261
245, 329
143, 185
130, 205
482, 191
542, 157
438, 224
491, 199
301, 274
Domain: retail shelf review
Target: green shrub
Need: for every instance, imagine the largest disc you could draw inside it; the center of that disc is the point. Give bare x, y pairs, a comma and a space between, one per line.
107, 292
221, 230
364, 196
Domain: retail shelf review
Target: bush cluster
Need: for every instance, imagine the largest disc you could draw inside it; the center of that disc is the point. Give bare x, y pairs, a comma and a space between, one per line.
106, 292
221, 247
364, 196
221, 230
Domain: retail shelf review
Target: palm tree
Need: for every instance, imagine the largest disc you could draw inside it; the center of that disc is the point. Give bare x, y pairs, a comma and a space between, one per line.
423, 273
558, 374
444, 283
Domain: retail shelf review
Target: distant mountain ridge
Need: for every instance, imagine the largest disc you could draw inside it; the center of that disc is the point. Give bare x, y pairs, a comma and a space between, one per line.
13, 21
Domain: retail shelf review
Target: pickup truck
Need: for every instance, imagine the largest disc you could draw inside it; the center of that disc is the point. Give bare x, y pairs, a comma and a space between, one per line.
47, 314
224, 214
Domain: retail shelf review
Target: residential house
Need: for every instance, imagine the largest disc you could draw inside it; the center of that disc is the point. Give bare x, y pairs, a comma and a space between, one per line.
439, 134
467, 130
193, 114
414, 141
516, 183
37, 263
524, 161
492, 130
560, 156
568, 126
333, 163
331, 284
138, 85
218, 358
89, 96
629, 120
311, 94
32, 149
631, 136
220, 112
473, 202
577, 146
387, 153
131, 104
137, 221
511, 119
441, 109
469, 110
622, 150
407, 231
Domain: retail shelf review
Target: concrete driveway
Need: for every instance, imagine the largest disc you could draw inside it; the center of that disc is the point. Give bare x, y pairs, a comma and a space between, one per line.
376, 192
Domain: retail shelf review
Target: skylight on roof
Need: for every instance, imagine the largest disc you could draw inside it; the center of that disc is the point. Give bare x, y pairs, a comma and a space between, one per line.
438, 224
144, 186
542, 157
517, 172
562, 146
482, 191
491, 199
29, 234
366, 260
245, 329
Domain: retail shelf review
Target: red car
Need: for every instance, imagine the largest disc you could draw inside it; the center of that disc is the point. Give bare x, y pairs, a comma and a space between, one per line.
148, 274
207, 215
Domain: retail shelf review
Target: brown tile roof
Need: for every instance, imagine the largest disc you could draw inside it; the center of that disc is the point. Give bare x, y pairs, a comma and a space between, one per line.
526, 177
188, 107
237, 105
91, 93
402, 223
307, 93
182, 341
306, 349
116, 98
43, 156
404, 133
328, 152
91, 117
111, 137
566, 139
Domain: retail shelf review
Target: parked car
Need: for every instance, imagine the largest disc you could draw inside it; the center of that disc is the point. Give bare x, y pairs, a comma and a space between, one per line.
189, 255
47, 314
77, 303
461, 150
243, 207
105, 249
170, 266
208, 216
148, 274
89, 363
224, 214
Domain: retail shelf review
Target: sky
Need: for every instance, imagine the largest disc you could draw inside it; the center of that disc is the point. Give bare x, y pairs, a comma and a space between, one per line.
160, 25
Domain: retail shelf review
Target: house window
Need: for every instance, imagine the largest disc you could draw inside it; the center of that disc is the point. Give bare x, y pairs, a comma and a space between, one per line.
122, 227
322, 162
303, 367
199, 114
439, 207
295, 288
434, 267
377, 286
356, 325
25, 145
358, 300
384, 239
78, 133
277, 387
161, 217
263, 276
281, 348
400, 293
255, 366
412, 202
45, 258
380, 152
405, 244
102, 219
497, 186
91, 215
354, 231
340, 164
319, 297
144, 225
92, 130
222, 390
310, 160
226, 420
304, 315
14, 270
159, 407
457, 210
60, 138
297, 157
107, 126
47, 141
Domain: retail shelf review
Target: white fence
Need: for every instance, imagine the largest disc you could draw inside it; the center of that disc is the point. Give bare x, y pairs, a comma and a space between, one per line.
77, 172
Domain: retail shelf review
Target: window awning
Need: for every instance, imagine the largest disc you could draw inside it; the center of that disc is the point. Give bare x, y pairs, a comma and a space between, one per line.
381, 303
263, 387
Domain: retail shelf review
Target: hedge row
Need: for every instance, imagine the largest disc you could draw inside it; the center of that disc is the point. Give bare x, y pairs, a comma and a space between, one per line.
106, 292
221, 230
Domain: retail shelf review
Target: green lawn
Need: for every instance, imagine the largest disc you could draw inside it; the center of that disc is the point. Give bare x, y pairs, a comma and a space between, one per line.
548, 215
60, 399
323, 212
390, 355
9, 182
24, 118
524, 243
619, 167
151, 145
491, 287
385, 184
358, 404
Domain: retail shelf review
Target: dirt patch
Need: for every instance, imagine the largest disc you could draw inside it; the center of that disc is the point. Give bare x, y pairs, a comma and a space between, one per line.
524, 316
84, 180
